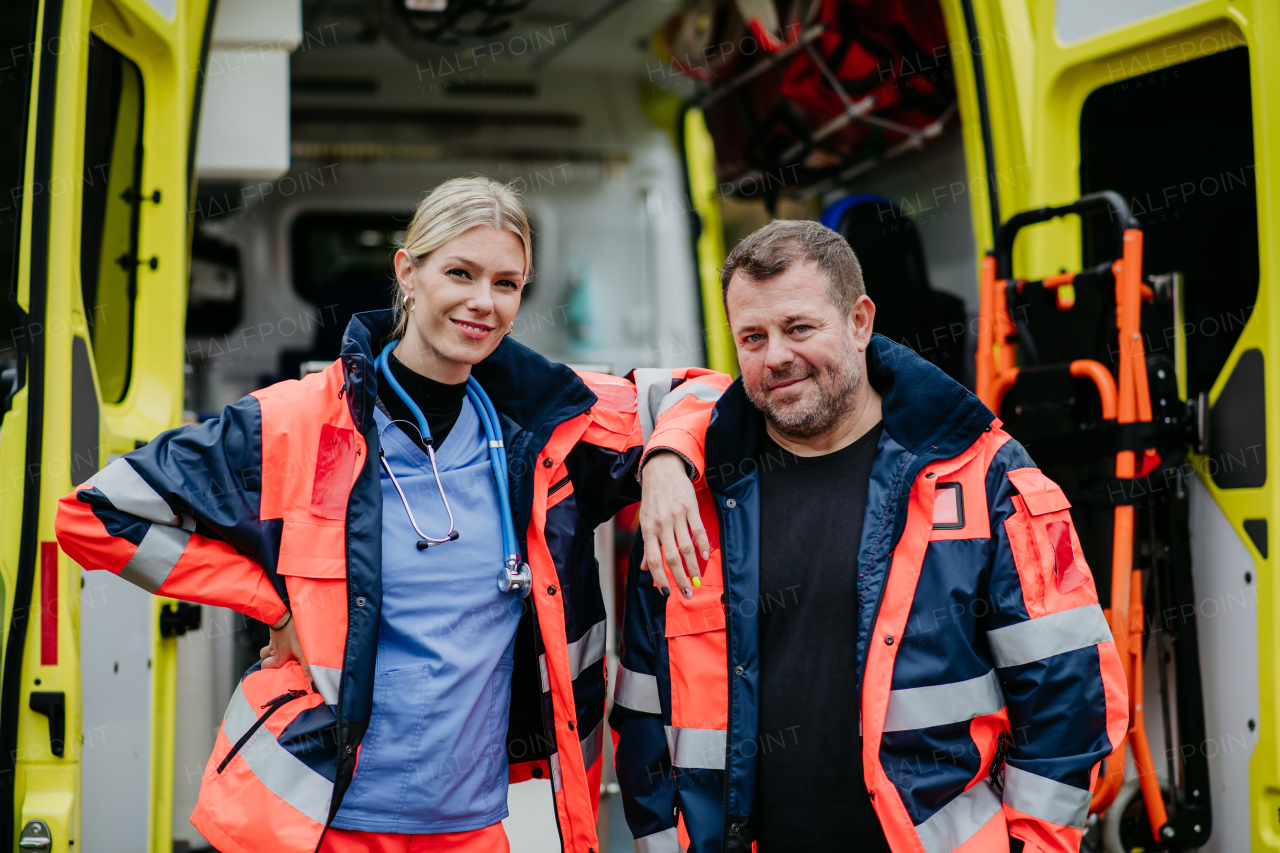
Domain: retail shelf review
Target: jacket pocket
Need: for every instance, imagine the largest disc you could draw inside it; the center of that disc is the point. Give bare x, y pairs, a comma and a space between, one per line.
697, 659
271, 706
1046, 549
310, 550
270, 778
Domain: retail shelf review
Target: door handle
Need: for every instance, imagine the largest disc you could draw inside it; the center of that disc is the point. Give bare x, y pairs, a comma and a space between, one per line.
53, 704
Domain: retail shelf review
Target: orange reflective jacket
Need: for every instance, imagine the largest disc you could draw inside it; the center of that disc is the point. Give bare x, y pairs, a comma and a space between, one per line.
989, 681
277, 503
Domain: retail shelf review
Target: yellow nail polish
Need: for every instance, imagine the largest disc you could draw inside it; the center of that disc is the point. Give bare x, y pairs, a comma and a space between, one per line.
696, 581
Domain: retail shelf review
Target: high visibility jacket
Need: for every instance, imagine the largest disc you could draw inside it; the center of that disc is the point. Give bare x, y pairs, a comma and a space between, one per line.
278, 503
989, 684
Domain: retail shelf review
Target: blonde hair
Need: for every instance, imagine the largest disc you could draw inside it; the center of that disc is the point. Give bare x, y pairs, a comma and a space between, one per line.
452, 209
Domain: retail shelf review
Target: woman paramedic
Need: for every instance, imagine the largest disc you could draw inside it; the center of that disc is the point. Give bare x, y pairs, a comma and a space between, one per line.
364, 513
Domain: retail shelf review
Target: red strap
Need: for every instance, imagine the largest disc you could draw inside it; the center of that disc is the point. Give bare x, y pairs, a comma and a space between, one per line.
1066, 570
48, 603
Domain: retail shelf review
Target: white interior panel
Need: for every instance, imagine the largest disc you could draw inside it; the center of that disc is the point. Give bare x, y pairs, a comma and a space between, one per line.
244, 117
531, 825
1077, 20
115, 675
1227, 622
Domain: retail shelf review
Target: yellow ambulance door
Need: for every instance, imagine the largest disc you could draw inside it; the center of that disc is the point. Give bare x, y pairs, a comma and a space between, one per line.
96, 112
1172, 105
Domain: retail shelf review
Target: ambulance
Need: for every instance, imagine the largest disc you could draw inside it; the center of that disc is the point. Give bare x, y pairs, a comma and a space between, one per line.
1068, 205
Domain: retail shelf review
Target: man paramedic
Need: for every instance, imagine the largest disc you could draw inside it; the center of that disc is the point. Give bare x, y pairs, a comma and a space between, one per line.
896, 643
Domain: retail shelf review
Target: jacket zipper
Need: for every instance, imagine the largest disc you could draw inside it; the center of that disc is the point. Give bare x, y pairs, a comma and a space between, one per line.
875, 614
274, 705
728, 639
555, 487
548, 732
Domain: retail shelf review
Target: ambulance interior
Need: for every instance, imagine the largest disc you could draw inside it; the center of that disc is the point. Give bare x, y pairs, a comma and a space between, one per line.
323, 122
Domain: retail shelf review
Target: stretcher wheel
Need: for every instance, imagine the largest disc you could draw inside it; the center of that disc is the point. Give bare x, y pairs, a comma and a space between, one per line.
1125, 826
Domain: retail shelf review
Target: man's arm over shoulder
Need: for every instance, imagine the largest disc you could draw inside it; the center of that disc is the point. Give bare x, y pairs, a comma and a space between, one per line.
675, 411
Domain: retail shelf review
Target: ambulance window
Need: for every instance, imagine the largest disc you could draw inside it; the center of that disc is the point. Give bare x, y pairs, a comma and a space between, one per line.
345, 259
109, 213
17, 34
1177, 143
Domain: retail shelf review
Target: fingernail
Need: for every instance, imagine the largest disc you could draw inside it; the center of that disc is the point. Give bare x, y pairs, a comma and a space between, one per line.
706, 555
665, 592
696, 581
688, 593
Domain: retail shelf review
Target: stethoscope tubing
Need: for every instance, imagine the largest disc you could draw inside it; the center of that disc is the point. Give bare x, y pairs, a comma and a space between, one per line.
497, 457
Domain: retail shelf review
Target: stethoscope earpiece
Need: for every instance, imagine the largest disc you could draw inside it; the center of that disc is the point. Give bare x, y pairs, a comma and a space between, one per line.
423, 544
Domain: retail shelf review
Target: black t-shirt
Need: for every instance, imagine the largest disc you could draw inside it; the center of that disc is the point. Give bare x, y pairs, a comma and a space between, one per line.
811, 792
440, 403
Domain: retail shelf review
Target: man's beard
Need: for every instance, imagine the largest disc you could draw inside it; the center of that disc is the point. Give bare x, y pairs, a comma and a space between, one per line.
837, 394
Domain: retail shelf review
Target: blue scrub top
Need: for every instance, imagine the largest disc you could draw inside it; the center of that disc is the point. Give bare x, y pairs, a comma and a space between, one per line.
434, 758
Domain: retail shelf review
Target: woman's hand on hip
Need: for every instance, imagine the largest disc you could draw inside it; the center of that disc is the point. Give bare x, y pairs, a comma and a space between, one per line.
284, 647
671, 524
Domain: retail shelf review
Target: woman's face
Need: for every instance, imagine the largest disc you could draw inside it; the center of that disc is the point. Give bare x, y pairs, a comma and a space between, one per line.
464, 296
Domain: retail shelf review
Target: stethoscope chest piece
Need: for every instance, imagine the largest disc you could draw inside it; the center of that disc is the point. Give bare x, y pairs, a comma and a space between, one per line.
516, 578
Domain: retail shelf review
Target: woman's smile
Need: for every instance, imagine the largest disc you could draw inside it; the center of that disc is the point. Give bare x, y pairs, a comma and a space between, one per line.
473, 330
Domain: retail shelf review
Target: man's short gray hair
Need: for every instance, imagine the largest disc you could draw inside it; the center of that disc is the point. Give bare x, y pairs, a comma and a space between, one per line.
770, 252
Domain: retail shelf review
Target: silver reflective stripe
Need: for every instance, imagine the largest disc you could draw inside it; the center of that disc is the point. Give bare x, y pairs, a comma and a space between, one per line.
652, 384
592, 745
281, 773
637, 691
546, 681
328, 681
697, 748
239, 716
667, 841
1046, 799
128, 492
159, 552
959, 819
700, 390
1046, 636
938, 705
557, 782
587, 650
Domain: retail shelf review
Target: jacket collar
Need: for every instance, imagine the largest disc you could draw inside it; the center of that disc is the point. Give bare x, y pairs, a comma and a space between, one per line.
924, 410
530, 393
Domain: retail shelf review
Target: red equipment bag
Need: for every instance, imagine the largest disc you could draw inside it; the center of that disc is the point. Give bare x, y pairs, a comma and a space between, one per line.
848, 80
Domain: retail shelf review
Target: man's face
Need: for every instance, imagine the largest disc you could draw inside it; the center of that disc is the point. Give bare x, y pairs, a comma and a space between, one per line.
801, 357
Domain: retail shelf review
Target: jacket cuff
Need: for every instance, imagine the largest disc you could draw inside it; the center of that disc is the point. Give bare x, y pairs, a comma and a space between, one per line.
267, 608
681, 443
688, 466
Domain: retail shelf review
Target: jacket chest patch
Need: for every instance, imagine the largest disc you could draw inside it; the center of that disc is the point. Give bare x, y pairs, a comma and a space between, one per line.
335, 463
948, 507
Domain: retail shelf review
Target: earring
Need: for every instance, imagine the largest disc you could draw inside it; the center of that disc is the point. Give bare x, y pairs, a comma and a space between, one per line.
404, 300
512, 327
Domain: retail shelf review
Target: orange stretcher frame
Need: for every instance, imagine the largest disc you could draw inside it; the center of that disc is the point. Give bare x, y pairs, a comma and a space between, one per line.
1128, 401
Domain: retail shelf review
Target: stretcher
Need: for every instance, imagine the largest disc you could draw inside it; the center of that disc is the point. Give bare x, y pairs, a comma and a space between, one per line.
1108, 449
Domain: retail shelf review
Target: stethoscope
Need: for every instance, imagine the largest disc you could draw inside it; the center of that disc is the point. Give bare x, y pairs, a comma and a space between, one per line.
515, 575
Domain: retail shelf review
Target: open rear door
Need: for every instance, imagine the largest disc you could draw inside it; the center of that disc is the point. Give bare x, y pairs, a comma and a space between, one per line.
1173, 107
96, 123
